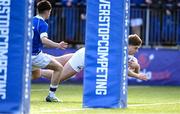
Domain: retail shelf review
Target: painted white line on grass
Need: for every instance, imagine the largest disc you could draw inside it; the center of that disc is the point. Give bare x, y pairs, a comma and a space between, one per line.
38, 90
62, 110
152, 104
81, 109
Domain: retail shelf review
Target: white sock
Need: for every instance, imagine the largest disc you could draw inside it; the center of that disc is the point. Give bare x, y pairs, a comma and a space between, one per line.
52, 90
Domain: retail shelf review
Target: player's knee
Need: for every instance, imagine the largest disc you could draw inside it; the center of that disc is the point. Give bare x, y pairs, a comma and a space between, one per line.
55, 66
58, 67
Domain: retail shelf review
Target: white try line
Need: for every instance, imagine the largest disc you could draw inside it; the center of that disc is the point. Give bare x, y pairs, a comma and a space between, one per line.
81, 109
152, 104
38, 90
63, 110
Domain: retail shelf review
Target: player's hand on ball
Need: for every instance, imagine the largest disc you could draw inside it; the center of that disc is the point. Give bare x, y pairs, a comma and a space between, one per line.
142, 77
63, 45
133, 65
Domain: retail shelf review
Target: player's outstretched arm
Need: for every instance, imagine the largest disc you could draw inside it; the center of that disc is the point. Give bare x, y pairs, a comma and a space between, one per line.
49, 43
135, 66
136, 75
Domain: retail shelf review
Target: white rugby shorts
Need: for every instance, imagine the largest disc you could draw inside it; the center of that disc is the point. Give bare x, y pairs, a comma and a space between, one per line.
40, 61
77, 60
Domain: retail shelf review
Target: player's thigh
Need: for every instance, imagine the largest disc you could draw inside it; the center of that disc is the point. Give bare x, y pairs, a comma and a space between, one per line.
64, 58
67, 72
54, 65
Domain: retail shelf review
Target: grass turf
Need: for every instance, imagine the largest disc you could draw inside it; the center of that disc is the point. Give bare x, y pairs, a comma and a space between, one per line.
141, 100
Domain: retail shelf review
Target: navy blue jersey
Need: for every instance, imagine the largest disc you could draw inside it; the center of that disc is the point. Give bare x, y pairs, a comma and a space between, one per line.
40, 29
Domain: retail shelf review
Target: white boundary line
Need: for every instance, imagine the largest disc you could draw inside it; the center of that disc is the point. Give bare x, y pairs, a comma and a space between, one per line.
81, 109
152, 104
62, 110
38, 90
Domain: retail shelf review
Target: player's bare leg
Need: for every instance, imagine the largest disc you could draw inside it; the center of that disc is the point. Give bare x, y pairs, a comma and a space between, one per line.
64, 58
36, 74
48, 73
76, 61
67, 72
57, 69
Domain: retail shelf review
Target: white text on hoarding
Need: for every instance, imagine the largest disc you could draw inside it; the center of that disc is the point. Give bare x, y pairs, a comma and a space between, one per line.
103, 47
4, 38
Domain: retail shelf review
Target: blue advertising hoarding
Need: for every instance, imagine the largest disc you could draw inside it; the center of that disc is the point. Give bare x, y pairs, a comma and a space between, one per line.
105, 73
15, 55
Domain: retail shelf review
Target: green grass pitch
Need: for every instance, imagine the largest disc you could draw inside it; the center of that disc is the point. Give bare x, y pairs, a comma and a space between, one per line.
141, 100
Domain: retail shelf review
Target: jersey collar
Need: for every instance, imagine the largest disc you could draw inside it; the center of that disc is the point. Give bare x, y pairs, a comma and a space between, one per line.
39, 17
